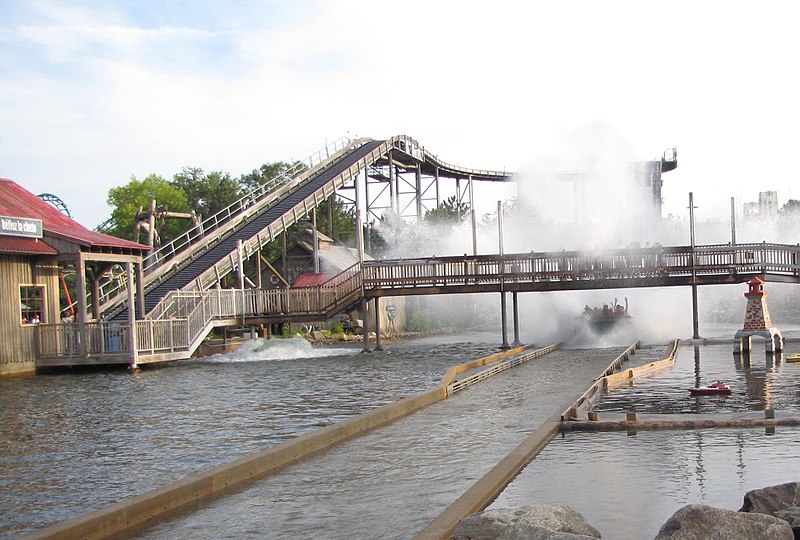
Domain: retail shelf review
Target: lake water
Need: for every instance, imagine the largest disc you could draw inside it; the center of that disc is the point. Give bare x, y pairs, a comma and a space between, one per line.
71, 443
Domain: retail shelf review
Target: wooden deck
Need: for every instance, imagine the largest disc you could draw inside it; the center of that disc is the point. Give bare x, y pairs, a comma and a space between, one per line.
177, 326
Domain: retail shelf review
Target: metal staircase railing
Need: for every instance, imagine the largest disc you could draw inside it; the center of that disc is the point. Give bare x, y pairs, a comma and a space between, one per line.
185, 317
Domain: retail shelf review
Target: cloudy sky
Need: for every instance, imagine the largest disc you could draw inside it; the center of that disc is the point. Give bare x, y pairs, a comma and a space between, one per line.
94, 92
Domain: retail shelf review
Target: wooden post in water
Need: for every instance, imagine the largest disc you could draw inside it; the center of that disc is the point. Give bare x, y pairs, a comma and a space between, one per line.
378, 346
515, 305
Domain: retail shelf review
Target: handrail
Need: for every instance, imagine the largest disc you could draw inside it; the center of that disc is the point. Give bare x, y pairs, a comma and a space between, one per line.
227, 264
224, 216
633, 263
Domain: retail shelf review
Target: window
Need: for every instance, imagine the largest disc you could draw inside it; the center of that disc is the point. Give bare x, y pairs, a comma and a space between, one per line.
31, 303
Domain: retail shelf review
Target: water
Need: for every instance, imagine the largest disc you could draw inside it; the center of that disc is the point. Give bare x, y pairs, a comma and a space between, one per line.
627, 485
72, 443
392, 482
76, 442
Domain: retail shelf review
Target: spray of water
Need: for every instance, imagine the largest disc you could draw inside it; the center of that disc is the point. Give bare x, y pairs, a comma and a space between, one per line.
585, 194
277, 350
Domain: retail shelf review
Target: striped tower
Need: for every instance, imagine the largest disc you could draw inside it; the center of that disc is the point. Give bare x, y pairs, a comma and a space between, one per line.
757, 321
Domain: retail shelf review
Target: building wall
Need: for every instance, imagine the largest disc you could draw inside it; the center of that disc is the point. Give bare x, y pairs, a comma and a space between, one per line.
17, 340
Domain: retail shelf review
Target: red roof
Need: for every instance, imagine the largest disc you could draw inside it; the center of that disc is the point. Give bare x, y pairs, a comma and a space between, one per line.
16, 201
311, 280
25, 246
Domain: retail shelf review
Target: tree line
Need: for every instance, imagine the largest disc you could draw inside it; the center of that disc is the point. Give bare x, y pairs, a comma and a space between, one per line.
203, 194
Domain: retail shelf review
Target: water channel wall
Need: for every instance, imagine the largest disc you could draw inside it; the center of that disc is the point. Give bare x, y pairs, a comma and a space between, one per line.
148, 508
490, 485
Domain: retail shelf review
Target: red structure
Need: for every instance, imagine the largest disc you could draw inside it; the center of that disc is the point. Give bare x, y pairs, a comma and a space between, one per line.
757, 321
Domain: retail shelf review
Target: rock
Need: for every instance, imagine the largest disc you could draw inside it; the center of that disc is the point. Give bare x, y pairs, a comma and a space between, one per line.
538, 522
769, 499
701, 522
792, 515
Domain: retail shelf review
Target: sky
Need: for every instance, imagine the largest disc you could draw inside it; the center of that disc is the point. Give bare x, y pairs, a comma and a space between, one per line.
94, 93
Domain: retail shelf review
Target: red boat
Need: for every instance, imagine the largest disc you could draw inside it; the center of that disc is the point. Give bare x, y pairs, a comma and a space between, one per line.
713, 389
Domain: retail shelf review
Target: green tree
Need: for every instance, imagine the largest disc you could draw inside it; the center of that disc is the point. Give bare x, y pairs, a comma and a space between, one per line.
449, 211
208, 193
262, 175
127, 199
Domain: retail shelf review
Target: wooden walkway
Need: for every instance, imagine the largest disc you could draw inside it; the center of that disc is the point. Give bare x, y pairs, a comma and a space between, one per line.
177, 326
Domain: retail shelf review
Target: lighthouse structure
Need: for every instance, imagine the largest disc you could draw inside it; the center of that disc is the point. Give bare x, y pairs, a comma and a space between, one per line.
757, 321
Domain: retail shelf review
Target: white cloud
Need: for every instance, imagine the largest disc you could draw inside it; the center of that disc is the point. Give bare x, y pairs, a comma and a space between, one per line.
97, 94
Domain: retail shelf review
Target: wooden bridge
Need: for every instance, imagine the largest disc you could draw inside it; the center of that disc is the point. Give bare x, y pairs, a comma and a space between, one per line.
182, 319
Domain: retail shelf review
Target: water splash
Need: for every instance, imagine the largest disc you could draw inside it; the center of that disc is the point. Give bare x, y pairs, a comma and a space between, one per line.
277, 350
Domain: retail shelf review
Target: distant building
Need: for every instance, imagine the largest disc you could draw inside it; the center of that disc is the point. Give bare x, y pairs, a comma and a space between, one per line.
766, 207
768, 203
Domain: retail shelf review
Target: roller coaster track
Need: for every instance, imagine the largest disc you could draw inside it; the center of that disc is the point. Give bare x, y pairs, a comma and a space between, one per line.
201, 258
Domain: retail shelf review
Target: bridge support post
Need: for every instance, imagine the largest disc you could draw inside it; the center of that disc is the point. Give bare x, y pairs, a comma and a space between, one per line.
515, 307
503, 323
365, 319
378, 346
695, 321
131, 318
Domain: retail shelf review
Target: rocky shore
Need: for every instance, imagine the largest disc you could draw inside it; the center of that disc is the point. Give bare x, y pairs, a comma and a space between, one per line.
767, 513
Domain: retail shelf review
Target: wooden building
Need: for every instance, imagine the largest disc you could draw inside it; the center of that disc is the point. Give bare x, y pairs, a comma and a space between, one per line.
39, 245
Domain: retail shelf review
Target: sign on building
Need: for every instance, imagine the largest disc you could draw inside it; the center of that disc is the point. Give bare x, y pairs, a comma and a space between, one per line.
15, 226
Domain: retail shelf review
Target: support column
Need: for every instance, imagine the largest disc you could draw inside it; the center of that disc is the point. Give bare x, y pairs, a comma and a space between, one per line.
438, 199
419, 193
315, 239
695, 318
95, 296
134, 345
515, 304
365, 319
259, 283
331, 201
391, 181
378, 346
474, 220
140, 287
240, 261
503, 309
80, 271
504, 345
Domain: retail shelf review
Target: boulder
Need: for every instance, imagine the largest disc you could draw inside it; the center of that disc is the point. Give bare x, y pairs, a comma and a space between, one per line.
701, 522
792, 515
538, 522
769, 499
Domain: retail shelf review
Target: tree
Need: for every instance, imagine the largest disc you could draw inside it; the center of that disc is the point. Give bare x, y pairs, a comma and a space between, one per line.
209, 193
449, 211
791, 208
127, 199
264, 174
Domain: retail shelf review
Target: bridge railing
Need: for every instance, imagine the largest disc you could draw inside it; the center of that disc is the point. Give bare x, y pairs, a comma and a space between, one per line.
185, 317
573, 265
